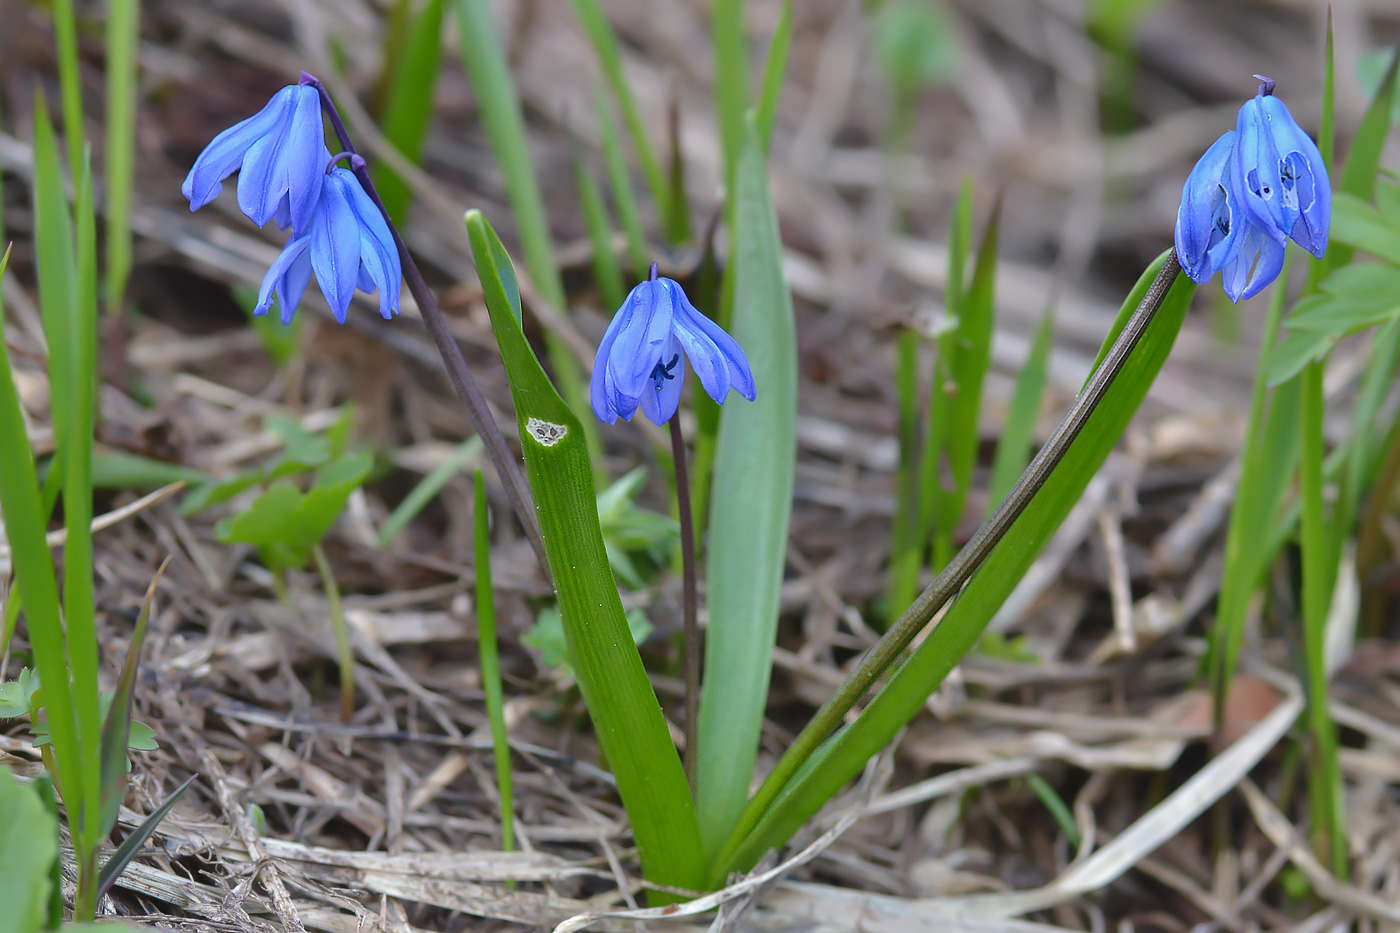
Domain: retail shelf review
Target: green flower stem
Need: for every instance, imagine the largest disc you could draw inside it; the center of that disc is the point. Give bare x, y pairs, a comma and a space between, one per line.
507, 467
491, 665
888, 649
344, 653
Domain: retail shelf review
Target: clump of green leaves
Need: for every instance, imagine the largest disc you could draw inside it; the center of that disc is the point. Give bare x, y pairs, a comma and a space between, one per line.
639, 541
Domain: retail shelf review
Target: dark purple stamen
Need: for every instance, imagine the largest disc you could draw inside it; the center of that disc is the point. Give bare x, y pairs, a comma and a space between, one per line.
662, 372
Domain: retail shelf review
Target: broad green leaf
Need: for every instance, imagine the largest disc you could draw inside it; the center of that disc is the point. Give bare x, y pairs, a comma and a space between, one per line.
28, 849
626, 716
1294, 352
750, 507
904, 694
1357, 224
409, 108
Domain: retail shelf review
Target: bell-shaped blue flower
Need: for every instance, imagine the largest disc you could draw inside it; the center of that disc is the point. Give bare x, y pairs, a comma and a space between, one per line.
639, 359
279, 151
1209, 221
1280, 176
348, 245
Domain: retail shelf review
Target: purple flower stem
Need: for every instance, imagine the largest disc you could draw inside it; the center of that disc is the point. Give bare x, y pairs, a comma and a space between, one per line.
688, 599
507, 467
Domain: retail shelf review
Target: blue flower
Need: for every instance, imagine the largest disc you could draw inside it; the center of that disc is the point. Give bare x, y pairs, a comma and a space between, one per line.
279, 150
639, 359
348, 245
1255, 187
1279, 174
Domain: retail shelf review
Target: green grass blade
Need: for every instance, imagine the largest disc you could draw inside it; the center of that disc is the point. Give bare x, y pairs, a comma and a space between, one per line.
774, 71
1364, 157
123, 32
606, 270
408, 109
114, 866
605, 46
65, 29
626, 716
731, 85
34, 579
483, 56
968, 366
1018, 433
491, 665
816, 767
79, 342
750, 506
906, 540
623, 199
116, 730
1319, 565
428, 488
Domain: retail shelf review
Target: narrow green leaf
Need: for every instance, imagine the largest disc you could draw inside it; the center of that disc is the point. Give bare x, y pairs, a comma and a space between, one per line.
116, 730
28, 849
123, 31
750, 508
904, 694
483, 56
606, 270
621, 183
605, 46
491, 665
626, 716
1018, 432
907, 541
731, 84
70, 81
117, 469
774, 73
408, 109
428, 488
131, 845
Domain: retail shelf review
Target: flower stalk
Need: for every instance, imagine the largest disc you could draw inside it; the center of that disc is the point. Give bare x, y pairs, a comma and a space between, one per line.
689, 603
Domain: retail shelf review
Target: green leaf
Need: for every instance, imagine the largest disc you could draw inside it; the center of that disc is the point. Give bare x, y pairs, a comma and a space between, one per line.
915, 43
774, 73
1294, 352
490, 660
117, 469
750, 507
626, 716
1357, 224
119, 156
28, 849
605, 46
1018, 432
731, 85
621, 183
284, 523
547, 635
908, 687
131, 845
606, 271
409, 108
428, 488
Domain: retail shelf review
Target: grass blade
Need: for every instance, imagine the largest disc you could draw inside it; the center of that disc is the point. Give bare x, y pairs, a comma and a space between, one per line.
123, 32
626, 716
116, 731
1018, 432
114, 866
606, 270
774, 71
750, 506
428, 488
731, 85
605, 46
623, 199
491, 665
483, 56
409, 104
65, 29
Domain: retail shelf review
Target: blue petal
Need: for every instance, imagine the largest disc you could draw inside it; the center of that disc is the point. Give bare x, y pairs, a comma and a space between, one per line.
1209, 218
292, 286
225, 153
294, 250
1256, 170
598, 388
1257, 261
304, 155
1305, 190
282, 217
642, 337
718, 360
662, 396
379, 254
335, 244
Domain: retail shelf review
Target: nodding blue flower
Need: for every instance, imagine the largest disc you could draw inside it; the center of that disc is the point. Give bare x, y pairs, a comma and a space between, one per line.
1280, 177
347, 245
639, 359
279, 151
1255, 187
